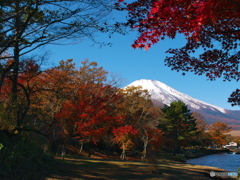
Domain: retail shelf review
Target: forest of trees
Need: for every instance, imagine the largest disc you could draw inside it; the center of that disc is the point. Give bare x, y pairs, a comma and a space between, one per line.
63, 106
45, 111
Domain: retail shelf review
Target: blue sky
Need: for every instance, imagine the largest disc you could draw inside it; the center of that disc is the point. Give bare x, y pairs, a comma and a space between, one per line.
134, 64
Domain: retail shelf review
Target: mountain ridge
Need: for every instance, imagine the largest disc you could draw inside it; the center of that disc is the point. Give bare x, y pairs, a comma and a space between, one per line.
164, 94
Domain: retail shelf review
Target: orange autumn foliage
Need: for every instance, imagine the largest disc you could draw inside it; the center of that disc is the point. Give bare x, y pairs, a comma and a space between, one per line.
218, 132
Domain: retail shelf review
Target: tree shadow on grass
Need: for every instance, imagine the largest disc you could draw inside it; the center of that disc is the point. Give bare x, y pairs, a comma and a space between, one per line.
87, 168
106, 169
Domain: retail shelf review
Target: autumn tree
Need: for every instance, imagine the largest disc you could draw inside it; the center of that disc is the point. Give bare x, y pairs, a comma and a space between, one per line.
61, 83
17, 114
177, 123
202, 137
90, 117
152, 137
52, 87
125, 135
210, 28
43, 93
27, 25
218, 132
138, 110
135, 105
21, 141
87, 111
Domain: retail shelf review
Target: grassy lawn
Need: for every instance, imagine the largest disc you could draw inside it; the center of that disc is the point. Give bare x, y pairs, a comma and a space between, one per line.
75, 168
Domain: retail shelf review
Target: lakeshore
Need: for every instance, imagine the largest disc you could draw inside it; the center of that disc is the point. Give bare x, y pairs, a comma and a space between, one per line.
190, 154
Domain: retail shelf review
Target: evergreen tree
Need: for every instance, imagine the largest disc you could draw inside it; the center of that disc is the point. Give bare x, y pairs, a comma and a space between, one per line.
177, 123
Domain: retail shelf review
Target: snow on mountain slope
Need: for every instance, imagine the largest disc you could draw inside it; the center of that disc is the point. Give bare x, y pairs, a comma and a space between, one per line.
161, 92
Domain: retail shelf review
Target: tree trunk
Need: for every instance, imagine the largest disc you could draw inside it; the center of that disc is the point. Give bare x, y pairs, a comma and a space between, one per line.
175, 141
14, 77
81, 147
144, 150
123, 155
63, 152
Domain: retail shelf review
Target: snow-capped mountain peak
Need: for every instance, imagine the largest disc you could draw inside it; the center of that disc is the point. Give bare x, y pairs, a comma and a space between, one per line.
165, 94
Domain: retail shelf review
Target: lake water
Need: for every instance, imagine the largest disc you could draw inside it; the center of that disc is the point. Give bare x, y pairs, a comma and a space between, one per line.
229, 162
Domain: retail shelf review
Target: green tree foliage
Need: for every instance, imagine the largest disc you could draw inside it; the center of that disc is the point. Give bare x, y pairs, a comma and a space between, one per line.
177, 124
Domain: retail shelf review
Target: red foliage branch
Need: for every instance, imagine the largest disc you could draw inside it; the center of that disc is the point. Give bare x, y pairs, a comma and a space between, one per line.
211, 29
90, 116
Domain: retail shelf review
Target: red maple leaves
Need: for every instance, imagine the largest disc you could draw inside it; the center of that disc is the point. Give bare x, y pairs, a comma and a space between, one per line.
125, 135
157, 19
91, 114
211, 30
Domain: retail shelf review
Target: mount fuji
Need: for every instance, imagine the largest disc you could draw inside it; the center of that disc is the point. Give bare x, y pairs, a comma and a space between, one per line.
163, 94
